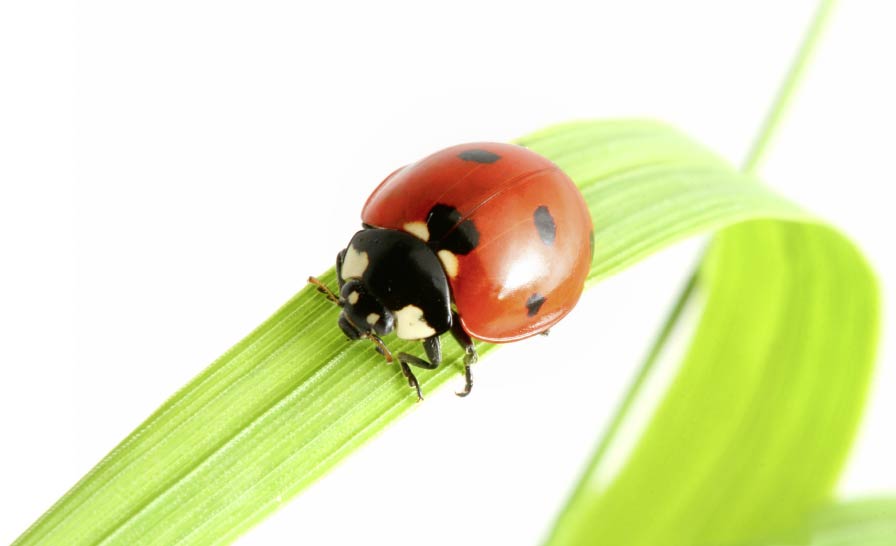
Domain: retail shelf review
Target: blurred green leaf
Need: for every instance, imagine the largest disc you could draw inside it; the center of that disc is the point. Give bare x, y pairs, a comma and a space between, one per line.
869, 522
754, 426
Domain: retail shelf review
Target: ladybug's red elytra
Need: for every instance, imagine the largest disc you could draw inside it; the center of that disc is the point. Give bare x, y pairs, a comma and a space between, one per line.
486, 240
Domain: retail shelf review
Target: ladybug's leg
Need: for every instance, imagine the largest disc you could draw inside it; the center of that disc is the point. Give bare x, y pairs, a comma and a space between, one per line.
433, 348
470, 356
353, 334
339, 259
412, 379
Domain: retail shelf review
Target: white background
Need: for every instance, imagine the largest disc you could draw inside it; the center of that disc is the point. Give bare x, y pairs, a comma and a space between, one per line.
170, 172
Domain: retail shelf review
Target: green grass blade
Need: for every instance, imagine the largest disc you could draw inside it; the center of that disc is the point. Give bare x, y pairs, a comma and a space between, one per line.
789, 86
868, 522
293, 398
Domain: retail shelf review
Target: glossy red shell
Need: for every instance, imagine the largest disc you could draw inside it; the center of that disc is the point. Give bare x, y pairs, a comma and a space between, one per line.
512, 262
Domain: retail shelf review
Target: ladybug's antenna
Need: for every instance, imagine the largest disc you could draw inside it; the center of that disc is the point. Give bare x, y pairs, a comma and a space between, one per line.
381, 347
325, 290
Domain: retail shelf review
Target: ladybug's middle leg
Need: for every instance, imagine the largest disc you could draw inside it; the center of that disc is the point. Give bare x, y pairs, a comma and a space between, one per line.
470, 355
433, 348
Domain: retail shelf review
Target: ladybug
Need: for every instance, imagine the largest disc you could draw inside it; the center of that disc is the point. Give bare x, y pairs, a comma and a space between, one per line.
487, 241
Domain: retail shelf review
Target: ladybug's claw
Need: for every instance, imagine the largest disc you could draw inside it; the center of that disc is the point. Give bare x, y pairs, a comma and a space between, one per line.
412, 379
419, 393
404, 359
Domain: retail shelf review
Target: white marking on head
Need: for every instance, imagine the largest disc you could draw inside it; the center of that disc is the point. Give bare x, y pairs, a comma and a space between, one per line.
449, 262
353, 297
410, 324
354, 264
372, 318
418, 229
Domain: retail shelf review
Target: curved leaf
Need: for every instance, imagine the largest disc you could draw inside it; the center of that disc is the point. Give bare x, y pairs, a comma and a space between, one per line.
867, 522
755, 428
289, 401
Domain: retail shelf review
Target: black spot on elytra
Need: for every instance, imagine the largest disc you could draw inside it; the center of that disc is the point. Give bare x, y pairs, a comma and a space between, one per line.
447, 232
479, 156
534, 303
545, 225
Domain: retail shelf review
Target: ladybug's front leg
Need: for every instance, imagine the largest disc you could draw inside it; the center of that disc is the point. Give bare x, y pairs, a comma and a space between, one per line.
470, 355
433, 348
339, 259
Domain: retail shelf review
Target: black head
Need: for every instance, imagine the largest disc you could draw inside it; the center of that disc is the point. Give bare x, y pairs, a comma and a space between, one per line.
362, 313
